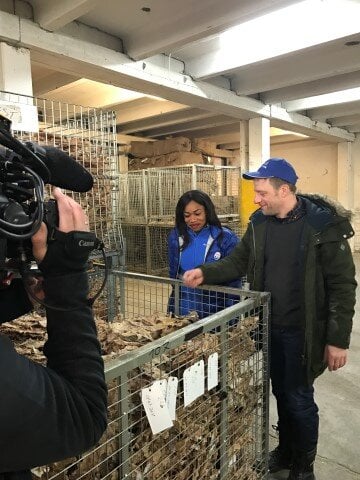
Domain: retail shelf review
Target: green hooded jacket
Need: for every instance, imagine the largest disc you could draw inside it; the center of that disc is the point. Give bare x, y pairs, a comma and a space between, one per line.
328, 274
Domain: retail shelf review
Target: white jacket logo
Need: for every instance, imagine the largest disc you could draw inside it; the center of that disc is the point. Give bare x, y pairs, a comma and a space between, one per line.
217, 255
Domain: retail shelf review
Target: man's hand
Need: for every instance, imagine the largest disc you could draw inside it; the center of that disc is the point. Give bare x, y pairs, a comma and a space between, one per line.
71, 217
193, 278
335, 357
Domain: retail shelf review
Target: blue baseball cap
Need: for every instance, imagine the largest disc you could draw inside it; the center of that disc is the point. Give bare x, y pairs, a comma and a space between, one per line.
274, 167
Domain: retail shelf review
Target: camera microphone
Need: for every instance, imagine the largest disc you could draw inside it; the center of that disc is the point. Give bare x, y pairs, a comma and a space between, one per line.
65, 171
53, 165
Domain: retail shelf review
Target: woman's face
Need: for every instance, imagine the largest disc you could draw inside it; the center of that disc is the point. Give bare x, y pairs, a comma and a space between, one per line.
195, 216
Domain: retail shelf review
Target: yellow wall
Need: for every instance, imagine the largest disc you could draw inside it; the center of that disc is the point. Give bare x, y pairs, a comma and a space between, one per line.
315, 163
247, 205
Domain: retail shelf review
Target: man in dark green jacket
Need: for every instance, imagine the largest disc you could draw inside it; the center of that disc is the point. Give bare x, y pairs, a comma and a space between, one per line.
296, 248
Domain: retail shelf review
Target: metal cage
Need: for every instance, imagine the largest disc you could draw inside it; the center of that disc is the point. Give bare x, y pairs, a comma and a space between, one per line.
218, 432
88, 135
148, 200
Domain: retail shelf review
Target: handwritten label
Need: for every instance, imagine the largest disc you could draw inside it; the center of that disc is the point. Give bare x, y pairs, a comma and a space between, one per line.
23, 117
157, 412
171, 393
194, 382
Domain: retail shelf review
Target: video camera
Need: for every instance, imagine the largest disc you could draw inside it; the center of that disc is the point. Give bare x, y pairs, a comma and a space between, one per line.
24, 169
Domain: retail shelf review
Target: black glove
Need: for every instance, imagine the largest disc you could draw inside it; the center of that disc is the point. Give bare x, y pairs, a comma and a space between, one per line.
68, 253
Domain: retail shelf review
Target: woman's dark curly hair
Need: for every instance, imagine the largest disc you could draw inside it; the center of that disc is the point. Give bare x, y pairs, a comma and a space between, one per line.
199, 197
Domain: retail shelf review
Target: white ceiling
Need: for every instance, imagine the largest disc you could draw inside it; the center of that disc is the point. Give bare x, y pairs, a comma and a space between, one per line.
300, 66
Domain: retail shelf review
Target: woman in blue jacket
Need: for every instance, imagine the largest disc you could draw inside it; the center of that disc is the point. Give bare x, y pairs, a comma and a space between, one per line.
198, 238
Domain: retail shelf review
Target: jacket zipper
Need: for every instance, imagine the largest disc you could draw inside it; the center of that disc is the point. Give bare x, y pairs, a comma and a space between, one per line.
254, 246
206, 256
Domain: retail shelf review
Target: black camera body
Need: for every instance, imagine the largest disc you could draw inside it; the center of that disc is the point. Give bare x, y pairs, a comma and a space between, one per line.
22, 205
50, 218
51, 215
24, 169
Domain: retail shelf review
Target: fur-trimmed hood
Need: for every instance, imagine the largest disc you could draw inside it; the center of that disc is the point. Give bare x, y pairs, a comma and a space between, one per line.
329, 203
327, 217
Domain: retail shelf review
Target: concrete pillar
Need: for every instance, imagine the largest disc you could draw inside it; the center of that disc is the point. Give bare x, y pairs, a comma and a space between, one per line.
123, 163
259, 142
345, 177
244, 145
15, 70
254, 150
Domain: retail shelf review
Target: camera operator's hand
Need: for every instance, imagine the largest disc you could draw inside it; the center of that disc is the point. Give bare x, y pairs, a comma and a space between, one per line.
70, 249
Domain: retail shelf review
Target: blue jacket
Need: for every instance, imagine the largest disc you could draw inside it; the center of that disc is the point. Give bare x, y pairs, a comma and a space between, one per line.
220, 243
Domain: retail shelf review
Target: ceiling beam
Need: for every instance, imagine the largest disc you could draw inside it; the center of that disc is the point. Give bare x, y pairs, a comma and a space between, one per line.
300, 67
316, 87
52, 82
221, 131
323, 113
180, 128
163, 120
324, 100
145, 107
295, 122
69, 54
286, 138
355, 127
101, 64
55, 15
345, 120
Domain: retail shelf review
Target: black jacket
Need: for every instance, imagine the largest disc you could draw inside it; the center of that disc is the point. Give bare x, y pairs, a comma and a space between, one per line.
327, 278
54, 412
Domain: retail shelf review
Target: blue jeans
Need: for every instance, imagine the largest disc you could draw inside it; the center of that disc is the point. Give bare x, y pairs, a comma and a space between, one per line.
298, 419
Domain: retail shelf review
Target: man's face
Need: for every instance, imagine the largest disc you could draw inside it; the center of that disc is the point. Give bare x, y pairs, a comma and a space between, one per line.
267, 197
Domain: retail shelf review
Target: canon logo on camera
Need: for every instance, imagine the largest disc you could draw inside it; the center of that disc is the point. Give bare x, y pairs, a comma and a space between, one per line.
84, 243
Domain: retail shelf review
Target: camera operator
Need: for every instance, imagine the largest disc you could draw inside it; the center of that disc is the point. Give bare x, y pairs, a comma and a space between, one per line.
54, 412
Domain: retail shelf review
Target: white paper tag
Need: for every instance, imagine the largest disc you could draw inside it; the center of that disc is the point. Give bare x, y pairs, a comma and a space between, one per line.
156, 409
194, 382
171, 393
213, 370
162, 384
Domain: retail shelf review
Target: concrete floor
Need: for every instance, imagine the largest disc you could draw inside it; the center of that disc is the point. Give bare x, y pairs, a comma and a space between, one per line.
338, 397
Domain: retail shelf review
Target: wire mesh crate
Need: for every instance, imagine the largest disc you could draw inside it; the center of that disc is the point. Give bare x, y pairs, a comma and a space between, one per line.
148, 200
218, 431
89, 136
150, 195
146, 248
